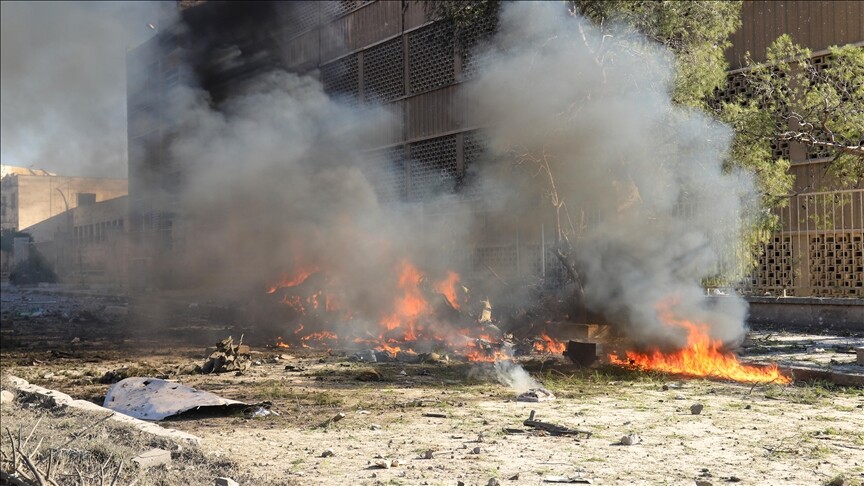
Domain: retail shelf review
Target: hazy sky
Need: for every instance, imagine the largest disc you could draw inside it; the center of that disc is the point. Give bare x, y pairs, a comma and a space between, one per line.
63, 99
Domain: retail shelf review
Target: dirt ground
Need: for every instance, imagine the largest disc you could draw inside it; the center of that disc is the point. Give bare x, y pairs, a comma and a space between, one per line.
807, 433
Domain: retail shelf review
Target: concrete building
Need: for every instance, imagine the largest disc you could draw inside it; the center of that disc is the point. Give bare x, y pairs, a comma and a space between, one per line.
87, 244
389, 52
29, 198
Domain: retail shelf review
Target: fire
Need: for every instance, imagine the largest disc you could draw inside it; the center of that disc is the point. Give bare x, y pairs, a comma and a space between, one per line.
297, 279
447, 288
281, 344
702, 356
546, 344
411, 306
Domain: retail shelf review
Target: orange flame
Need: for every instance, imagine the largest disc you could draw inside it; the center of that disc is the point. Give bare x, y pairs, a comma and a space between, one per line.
281, 344
546, 344
447, 287
702, 356
411, 306
294, 281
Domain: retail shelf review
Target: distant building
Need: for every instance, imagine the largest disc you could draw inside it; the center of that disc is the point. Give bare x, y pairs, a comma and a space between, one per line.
30, 197
86, 244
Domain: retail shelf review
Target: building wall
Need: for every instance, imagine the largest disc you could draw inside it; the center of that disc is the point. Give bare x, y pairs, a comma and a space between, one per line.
30, 199
381, 52
87, 244
815, 24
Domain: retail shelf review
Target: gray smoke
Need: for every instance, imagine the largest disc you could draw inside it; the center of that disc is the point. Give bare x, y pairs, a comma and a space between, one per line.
63, 100
644, 177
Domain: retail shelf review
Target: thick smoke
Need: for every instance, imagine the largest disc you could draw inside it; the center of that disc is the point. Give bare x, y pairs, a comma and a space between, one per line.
280, 185
642, 179
63, 100
278, 179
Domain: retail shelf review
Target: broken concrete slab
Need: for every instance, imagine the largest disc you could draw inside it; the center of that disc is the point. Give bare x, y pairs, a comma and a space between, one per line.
59, 399
153, 458
155, 399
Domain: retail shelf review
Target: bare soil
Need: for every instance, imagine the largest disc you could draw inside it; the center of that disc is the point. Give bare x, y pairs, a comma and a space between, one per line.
807, 434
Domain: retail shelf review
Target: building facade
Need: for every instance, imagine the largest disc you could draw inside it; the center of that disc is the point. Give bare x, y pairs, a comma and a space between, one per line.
390, 52
28, 199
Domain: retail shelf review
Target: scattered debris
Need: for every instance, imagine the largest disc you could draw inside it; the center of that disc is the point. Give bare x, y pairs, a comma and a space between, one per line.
565, 479
435, 415
696, 409
367, 355
260, 411
369, 375
552, 428
339, 416
582, 354
536, 395
386, 463
630, 439
295, 368
155, 399
153, 458
226, 482
228, 357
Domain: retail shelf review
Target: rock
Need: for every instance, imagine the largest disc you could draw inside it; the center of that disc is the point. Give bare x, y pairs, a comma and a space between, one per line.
375, 427
475, 450
153, 458
702, 482
630, 439
367, 356
514, 477
460, 483
384, 463
428, 454
493, 482
328, 453
664, 387
696, 409
837, 481
369, 375
6, 397
679, 397
226, 482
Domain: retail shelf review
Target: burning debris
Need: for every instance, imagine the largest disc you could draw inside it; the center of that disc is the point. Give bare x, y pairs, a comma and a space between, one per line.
228, 357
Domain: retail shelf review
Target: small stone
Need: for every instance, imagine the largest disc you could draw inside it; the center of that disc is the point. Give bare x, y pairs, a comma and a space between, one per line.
403, 373
460, 483
328, 453
630, 439
226, 482
475, 450
6, 397
514, 477
702, 482
838, 481
375, 427
493, 482
428, 454
664, 387
679, 397
748, 407
153, 458
696, 409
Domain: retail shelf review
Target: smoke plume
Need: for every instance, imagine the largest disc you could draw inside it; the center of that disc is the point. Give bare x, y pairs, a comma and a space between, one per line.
642, 179
278, 178
64, 84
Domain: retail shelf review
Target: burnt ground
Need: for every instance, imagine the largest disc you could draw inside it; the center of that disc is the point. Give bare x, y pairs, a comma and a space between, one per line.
806, 433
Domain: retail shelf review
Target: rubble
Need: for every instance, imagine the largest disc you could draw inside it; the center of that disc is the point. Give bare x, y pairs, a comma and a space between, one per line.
228, 357
630, 439
696, 409
152, 458
226, 482
6, 397
565, 479
552, 428
536, 395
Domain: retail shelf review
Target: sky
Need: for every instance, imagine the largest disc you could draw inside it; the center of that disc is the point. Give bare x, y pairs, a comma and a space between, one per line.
63, 99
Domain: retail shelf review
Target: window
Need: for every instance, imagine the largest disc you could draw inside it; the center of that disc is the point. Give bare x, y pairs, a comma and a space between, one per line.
86, 198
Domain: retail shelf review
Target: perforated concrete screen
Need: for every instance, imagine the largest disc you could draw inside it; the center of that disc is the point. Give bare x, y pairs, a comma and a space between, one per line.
473, 38
430, 58
837, 264
387, 175
341, 78
433, 167
383, 72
